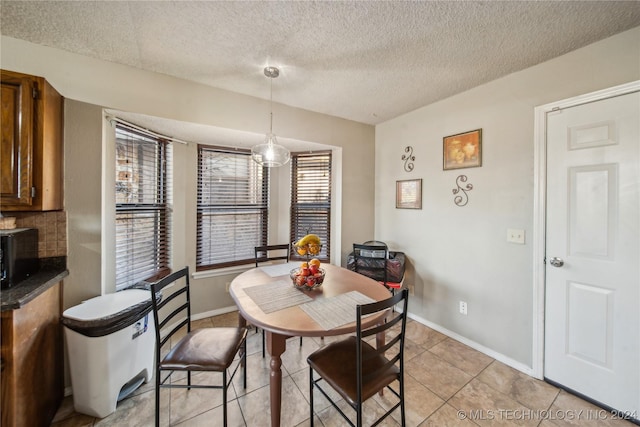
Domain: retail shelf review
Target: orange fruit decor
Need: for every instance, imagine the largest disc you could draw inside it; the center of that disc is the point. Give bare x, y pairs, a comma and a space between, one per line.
315, 261
305, 264
308, 245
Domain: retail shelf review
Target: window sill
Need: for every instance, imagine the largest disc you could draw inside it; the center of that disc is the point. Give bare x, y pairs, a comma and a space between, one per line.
221, 271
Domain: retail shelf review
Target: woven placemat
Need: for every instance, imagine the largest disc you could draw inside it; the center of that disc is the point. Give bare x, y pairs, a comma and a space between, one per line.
276, 296
279, 269
335, 311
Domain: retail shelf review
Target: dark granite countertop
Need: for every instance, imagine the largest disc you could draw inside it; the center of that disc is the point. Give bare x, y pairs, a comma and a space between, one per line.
51, 271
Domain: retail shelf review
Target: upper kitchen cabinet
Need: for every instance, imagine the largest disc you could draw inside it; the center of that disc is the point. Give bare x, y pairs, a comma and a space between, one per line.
31, 177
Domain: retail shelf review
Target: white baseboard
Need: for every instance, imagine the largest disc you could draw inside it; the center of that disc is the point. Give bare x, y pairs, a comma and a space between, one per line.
489, 352
215, 312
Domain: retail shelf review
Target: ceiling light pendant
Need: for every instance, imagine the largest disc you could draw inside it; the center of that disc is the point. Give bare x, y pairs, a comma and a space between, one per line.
270, 153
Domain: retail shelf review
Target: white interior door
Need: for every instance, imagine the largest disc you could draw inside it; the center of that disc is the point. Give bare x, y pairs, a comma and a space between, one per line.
592, 292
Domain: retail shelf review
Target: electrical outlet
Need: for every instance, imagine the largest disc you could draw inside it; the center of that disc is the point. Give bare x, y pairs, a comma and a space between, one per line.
463, 307
515, 236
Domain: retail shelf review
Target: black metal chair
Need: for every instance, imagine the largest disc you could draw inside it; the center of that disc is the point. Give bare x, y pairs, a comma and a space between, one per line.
270, 253
357, 370
200, 350
370, 259
375, 243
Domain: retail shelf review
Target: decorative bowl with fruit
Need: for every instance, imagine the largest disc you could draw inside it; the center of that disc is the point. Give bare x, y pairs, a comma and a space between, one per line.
308, 276
308, 246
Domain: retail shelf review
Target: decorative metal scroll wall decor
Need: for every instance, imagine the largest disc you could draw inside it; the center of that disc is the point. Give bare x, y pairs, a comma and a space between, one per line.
408, 158
463, 198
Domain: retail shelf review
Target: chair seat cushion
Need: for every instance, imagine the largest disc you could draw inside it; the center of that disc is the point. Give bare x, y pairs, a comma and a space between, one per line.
394, 285
208, 349
336, 364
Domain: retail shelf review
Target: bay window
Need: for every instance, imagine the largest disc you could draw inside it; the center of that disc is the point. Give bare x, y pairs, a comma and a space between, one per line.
233, 207
142, 207
311, 198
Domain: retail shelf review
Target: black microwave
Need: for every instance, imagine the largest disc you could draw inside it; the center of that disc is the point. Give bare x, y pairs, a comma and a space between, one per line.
19, 254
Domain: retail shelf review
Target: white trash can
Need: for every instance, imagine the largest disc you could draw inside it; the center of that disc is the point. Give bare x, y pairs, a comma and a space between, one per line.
111, 348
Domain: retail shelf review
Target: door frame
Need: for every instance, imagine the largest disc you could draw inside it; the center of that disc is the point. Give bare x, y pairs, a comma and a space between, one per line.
540, 208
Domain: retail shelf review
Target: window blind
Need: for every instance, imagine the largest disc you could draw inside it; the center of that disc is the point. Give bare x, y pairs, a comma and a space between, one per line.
311, 198
142, 207
233, 207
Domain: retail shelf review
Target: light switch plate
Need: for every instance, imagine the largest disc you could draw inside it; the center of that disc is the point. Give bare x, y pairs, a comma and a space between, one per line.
515, 236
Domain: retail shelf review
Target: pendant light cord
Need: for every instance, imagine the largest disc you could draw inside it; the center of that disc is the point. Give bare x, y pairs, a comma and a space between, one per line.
271, 104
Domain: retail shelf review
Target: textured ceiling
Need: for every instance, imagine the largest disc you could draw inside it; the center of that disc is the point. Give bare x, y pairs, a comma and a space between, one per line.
361, 60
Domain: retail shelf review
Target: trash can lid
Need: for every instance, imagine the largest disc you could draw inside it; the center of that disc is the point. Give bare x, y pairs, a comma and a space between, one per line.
107, 305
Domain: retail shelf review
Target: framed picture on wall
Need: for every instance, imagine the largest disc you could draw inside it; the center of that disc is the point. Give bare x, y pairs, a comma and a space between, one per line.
463, 150
409, 194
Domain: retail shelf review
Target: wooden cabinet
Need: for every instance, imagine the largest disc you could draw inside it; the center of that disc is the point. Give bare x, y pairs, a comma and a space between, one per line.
31, 174
32, 361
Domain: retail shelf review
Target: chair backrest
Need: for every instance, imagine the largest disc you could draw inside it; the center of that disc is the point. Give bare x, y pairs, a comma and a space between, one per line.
371, 261
272, 253
375, 243
393, 350
171, 308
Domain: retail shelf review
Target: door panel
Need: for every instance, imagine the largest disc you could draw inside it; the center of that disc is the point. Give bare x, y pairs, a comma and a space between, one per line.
592, 325
10, 178
17, 140
592, 211
592, 135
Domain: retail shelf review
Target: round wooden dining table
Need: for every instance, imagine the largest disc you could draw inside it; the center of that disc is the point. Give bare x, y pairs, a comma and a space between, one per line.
294, 321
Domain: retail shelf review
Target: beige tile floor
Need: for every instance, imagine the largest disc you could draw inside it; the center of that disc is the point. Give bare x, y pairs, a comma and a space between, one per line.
446, 384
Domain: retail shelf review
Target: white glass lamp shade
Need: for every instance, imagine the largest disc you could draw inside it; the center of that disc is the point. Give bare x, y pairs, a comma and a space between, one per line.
270, 153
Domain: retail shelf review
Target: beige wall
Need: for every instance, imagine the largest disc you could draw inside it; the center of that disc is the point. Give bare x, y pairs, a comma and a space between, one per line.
456, 253
89, 85
83, 201
461, 253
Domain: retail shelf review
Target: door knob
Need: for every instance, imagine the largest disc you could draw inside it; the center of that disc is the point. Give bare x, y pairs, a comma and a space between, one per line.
556, 262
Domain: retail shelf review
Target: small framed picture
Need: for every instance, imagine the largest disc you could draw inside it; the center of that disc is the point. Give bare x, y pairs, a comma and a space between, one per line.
409, 194
463, 150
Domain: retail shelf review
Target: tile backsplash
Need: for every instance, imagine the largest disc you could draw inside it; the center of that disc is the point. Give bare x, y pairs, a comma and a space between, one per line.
52, 230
